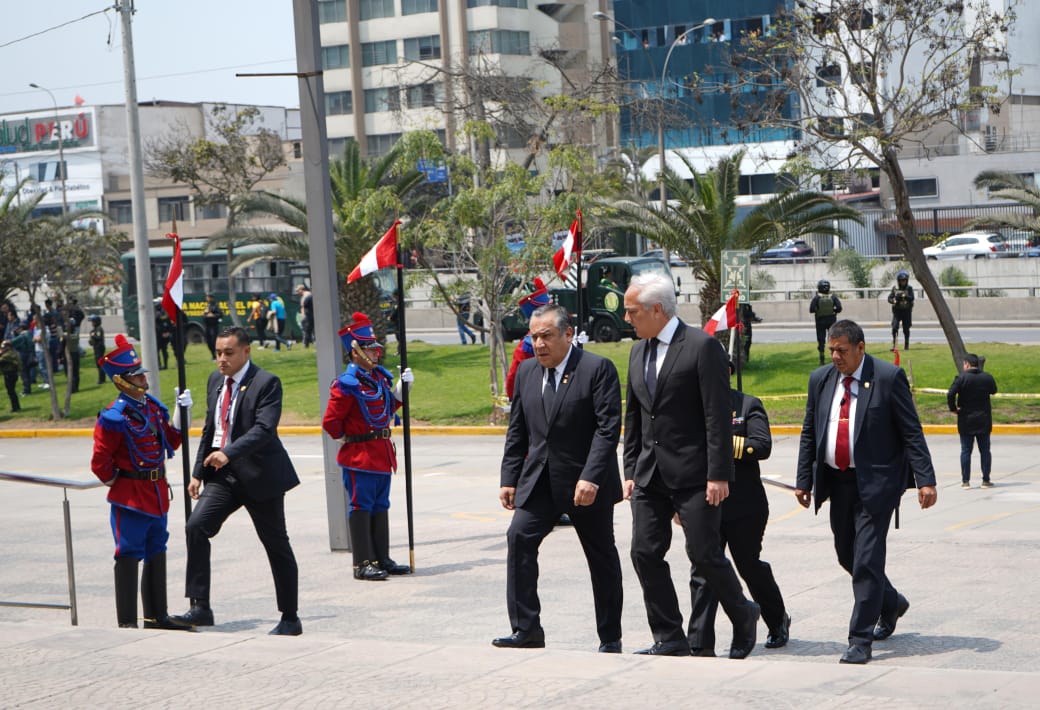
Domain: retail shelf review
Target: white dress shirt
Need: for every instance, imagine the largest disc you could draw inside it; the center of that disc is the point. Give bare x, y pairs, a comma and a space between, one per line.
832, 420
218, 423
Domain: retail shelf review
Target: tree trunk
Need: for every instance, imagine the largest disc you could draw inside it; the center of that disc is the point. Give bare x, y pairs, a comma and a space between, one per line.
913, 251
49, 366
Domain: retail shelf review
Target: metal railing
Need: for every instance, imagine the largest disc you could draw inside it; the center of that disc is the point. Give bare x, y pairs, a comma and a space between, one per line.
65, 485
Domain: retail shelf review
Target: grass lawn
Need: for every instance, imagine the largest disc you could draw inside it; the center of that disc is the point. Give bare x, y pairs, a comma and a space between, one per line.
452, 383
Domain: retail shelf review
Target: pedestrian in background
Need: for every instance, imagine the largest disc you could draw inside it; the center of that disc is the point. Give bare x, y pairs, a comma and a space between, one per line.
307, 310
163, 336
258, 318
73, 317
276, 321
97, 344
902, 300
825, 306
968, 396
211, 322
462, 305
10, 366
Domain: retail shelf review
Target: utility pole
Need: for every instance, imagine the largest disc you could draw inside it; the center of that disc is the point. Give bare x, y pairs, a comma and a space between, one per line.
142, 262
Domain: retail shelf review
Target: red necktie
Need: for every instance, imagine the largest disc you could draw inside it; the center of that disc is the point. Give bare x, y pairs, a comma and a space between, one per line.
841, 445
225, 408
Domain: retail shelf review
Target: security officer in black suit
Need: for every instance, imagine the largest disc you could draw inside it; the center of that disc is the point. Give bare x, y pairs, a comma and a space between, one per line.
744, 517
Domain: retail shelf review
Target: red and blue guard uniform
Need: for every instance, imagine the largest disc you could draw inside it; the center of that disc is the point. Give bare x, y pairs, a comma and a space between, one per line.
362, 404
132, 440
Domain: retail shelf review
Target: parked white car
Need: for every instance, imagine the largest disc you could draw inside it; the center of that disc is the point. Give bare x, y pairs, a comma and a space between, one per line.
969, 245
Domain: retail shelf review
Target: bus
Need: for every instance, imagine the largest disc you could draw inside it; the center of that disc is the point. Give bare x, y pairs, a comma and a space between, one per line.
207, 273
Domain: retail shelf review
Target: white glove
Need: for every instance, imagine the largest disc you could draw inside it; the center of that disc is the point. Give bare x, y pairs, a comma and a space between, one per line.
582, 338
183, 399
408, 376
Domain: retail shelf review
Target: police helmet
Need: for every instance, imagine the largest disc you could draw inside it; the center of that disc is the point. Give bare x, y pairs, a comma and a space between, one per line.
902, 276
824, 286
95, 319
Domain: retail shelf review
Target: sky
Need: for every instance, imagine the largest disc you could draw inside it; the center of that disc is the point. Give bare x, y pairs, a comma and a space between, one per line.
184, 50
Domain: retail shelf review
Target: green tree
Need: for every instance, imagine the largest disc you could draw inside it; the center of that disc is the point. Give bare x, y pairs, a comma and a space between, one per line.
702, 221
222, 170
366, 199
1011, 186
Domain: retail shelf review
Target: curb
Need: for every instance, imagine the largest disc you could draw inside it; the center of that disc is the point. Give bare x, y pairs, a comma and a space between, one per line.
776, 430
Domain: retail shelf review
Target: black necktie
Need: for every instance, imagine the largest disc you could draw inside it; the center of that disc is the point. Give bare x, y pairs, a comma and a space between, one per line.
549, 391
651, 367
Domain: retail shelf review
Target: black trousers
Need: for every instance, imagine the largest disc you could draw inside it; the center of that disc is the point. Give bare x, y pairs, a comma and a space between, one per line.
861, 539
822, 325
652, 511
595, 529
743, 536
220, 498
211, 336
11, 383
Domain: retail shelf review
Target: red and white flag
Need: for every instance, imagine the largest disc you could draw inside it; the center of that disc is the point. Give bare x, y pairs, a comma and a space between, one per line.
724, 318
173, 294
383, 254
570, 251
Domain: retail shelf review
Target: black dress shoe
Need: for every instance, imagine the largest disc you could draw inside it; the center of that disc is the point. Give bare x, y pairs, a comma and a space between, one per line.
744, 633
168, 624
779, 636
565, 520
886, 625
521, 639
391, 567
857, 655
197, 615
702, 652
666, 648
287, 628
369, 572
610, 647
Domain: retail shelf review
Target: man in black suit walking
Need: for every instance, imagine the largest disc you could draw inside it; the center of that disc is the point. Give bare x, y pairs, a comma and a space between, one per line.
678, 460
968, 397
243, 464
744, 517
561, 457
861, 439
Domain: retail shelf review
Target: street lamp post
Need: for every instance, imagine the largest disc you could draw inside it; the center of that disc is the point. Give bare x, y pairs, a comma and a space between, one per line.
603, 17
61, 149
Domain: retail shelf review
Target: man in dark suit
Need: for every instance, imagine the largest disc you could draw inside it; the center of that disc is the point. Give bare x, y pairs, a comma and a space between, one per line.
561, 457
744, 517
678, 460
861, 438
243, 464
968, 396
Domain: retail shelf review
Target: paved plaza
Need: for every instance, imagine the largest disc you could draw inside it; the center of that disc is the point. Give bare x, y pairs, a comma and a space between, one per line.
970, 568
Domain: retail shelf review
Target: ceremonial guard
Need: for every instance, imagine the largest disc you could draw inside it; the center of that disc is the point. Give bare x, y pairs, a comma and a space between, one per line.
360, 413
132, 439
525, 349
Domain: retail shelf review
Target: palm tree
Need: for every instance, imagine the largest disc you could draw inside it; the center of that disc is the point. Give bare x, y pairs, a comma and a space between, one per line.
701, 221
366, 198
1010, 186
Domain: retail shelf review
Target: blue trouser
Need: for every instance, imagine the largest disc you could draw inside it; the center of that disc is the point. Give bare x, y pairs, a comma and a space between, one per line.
136, 534
369, 492
967, 444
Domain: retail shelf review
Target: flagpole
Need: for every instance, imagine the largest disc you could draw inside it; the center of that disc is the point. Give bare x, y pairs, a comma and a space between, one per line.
402, 347
182, 383
580, 237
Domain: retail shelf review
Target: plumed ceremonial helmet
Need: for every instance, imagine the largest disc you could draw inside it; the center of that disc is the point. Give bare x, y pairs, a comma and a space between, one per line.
360, 331
824, 286
534, 300
123, 360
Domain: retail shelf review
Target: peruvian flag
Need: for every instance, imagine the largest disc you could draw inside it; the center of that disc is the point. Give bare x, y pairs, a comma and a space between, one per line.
383, 254
724, 318
173, 294
570, 251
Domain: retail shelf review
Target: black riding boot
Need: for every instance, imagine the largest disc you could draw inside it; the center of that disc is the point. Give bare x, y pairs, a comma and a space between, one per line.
381, 540
365, 567
153, 596
126, 592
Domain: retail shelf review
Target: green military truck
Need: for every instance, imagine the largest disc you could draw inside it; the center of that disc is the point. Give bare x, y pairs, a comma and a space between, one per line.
603, 294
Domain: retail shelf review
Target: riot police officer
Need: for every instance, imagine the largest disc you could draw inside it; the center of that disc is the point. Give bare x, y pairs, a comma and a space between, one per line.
825, 306
902, 300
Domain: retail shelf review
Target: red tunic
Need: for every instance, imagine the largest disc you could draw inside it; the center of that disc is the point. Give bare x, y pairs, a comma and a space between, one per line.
358, 404
123, 440
524, 350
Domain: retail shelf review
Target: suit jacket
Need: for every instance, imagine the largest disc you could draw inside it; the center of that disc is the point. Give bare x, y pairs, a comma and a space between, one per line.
888, 448
576, 440
684, 433
752, 442
971, 392
257, 459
